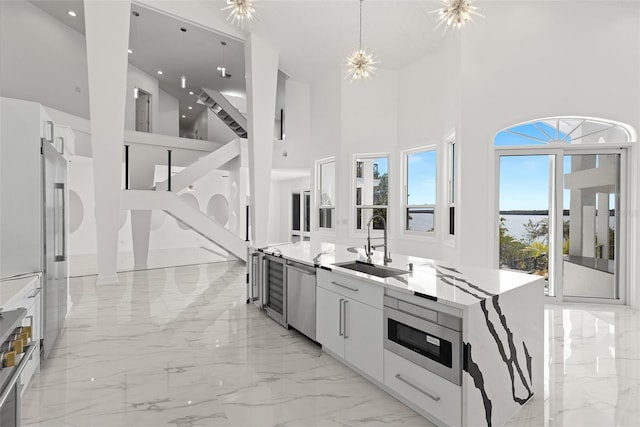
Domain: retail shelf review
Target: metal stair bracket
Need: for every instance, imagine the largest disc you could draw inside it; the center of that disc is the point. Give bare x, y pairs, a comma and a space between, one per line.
225, 111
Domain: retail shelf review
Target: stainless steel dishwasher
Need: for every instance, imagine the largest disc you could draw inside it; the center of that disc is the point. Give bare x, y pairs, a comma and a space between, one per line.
301, 298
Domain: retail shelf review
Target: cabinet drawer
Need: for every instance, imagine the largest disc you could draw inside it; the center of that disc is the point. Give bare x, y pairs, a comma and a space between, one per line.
432, 394
359, 290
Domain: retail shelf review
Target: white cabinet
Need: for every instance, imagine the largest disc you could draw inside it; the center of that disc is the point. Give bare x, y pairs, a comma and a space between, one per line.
329, 321
430, 395
363, 338
348, 327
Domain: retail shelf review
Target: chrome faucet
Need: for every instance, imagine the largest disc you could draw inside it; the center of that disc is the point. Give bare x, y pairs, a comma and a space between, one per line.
369, 249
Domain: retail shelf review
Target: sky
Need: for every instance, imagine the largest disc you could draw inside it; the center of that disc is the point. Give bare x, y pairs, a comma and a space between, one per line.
524, 180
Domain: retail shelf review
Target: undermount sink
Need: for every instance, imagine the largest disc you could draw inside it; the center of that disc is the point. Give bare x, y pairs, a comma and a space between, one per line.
373, 269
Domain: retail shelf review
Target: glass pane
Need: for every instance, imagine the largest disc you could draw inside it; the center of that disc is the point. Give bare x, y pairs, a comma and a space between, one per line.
364, 215
419, 219
372, 187
327, 183
524, 214
295, 211
421, 178
591, 193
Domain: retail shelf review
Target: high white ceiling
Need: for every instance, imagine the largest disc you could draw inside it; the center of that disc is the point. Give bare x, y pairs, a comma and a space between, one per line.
159, 44
310, 35
314, 35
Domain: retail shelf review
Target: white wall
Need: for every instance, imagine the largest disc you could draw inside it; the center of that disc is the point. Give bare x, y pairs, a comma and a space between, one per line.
168, 114
297, 124
530, 60
41, 59
428, 101
523, 61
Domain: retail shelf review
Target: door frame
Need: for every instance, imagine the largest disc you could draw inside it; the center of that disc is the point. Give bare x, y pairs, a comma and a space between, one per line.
556, 203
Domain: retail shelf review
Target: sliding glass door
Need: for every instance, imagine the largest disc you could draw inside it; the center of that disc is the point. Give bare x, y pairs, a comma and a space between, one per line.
525, 212
559, 218
591, 198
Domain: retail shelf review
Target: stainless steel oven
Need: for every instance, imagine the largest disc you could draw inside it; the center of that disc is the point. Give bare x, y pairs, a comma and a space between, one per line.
427, 337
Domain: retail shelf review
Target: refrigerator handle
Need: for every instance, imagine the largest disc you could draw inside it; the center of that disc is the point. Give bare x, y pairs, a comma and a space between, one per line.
62, 256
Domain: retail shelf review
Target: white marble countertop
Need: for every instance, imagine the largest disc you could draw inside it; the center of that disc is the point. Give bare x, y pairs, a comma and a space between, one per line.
11, 287
458, 286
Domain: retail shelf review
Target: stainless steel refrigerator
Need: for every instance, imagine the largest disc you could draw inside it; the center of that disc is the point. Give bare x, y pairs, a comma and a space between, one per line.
54, 231
33, 214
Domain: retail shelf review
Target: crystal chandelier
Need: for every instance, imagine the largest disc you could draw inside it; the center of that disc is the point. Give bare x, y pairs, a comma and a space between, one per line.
240, 11
360, 63
456, 13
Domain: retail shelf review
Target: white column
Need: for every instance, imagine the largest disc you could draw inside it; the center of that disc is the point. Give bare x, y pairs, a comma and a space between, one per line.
141, 178
262, 77
107, 34
589, 231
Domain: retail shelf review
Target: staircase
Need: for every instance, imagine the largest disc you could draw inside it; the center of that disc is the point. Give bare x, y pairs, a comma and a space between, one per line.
173, 205
226, 112
202, 167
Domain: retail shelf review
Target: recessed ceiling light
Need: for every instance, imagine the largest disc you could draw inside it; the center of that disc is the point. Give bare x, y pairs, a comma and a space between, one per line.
190, 107
190, 92
184, 117
130, 50
72, 13
160, 72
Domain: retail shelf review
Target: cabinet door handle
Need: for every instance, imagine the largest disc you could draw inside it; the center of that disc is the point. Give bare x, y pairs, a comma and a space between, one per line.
340, 314
431, 395
345, 319
35, 292
345, 286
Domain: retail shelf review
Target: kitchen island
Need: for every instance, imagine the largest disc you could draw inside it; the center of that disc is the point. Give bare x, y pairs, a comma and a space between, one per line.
461, 345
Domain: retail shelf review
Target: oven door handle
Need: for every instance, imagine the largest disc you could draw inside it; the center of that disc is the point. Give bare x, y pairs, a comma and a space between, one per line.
15, 375
415, 387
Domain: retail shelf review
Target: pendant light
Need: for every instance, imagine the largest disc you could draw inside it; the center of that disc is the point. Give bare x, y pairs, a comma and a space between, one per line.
183, 79
455, 13
223, 67
240, 11
360, 64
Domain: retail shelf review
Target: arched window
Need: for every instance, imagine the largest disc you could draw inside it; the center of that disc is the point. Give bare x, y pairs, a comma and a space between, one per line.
565, 130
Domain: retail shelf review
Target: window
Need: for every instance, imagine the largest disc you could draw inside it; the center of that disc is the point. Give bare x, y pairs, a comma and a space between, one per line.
566, 130
420, 190
371, 191
326, 193
300, 215
451, 182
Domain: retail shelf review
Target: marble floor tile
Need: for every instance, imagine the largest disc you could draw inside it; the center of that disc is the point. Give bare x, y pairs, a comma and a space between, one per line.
180, 347
592, 372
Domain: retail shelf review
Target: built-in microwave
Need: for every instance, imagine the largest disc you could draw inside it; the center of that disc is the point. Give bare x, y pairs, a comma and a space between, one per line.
429, 338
